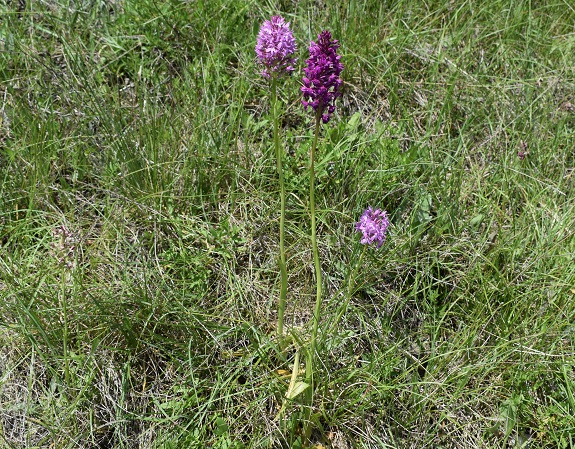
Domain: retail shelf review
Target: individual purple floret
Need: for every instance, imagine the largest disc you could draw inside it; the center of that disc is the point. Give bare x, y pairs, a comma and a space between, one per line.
373, 225
322, 82
275, 47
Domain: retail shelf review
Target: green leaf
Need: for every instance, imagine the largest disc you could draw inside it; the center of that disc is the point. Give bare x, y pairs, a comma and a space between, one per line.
509, 412
476, 221
296, 389
221, 426
353, 123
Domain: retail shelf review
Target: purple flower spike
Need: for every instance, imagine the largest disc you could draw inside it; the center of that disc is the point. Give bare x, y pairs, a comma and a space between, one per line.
275, 46
373, 225
321, 82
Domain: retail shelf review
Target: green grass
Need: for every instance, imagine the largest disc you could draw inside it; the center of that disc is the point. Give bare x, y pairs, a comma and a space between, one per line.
143, 129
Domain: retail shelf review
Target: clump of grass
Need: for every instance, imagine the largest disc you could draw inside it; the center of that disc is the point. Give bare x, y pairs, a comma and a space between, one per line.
142, 129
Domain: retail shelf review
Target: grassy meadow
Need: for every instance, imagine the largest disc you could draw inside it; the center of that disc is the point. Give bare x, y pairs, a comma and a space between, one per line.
139, 221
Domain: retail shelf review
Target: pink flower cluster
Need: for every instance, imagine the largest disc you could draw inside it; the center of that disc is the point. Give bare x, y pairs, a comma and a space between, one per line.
275, 47
321, 84
373, 225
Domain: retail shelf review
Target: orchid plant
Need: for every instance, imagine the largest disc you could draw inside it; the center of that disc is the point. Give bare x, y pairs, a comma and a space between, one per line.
275, 49
321, 87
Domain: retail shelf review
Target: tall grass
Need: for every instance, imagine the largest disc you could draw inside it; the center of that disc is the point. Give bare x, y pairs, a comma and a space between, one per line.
143, 129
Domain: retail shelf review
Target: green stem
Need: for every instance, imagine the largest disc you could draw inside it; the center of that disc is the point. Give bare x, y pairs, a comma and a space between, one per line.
350, 286
309, 365
282, 258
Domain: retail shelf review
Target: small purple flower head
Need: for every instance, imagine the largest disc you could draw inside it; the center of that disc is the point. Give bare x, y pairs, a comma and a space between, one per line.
321, 82
373, 225
275, 46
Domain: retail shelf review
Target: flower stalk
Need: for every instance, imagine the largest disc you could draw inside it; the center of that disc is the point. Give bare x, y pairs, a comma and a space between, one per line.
349, 293
318, 277
373, 225
282, 257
